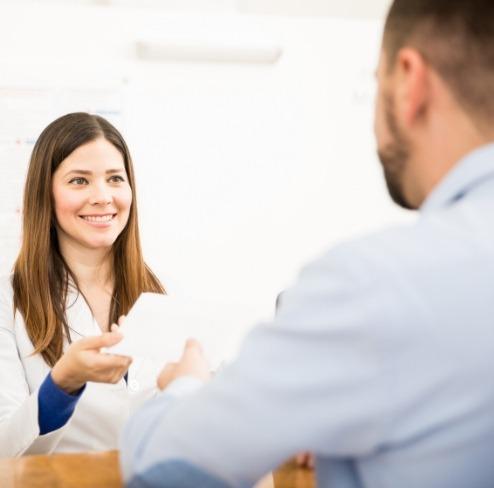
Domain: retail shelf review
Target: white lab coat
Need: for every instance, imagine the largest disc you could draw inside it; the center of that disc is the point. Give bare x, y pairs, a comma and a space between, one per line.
100, 412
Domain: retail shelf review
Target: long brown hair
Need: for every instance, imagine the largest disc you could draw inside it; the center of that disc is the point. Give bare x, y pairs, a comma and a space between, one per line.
41, 277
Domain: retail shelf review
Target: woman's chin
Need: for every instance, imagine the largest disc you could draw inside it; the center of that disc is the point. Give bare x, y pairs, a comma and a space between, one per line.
100, 245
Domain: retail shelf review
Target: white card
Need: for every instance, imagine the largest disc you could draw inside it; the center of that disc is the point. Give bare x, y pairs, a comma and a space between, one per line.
157, 327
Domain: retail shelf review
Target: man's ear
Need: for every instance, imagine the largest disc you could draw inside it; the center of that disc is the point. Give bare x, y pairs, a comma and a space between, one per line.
412, 86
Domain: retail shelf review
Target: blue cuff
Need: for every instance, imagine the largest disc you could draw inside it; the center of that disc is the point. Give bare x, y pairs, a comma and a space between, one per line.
55, 406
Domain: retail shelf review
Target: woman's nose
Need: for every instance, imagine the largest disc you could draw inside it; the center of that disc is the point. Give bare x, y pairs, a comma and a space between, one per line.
100, 195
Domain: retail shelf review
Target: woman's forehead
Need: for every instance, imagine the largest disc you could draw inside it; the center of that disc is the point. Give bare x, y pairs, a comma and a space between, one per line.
98, 156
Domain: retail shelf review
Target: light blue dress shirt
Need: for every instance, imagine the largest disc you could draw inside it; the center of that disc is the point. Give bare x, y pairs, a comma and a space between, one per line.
380, 361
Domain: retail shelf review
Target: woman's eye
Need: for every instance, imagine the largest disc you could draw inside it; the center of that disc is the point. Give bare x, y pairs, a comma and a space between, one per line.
116, 179
78, 181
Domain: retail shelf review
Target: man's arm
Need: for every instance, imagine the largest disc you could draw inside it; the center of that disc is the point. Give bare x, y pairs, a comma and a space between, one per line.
311, 380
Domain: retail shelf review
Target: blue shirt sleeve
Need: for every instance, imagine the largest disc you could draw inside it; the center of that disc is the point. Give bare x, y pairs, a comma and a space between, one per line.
55, 406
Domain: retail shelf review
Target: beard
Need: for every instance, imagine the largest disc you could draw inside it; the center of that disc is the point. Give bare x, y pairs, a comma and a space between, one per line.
394, 157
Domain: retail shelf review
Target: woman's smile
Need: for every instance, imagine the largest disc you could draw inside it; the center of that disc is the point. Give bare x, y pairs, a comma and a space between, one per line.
99, 220
92, 196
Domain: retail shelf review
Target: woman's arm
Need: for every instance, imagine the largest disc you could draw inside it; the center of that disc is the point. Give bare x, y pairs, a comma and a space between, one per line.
33, 422
19, 426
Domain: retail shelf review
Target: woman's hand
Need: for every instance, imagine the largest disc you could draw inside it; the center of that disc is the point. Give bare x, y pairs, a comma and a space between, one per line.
83, 362
192, 363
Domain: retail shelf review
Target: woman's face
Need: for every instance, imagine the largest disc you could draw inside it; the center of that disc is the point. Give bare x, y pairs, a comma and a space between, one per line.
92, 196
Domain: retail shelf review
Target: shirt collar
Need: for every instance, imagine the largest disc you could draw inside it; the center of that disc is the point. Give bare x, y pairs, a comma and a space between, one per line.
469, 172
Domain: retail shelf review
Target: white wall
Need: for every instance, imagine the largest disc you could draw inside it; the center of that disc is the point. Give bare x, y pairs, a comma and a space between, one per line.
245, 170
372, 9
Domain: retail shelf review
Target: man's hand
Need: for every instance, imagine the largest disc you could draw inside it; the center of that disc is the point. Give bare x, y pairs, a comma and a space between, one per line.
305, 460
192, 363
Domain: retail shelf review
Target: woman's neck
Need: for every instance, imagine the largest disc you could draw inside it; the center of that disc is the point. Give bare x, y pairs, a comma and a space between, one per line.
91, 267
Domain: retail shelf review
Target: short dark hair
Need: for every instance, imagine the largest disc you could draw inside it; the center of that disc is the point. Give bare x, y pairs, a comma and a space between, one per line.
456, 37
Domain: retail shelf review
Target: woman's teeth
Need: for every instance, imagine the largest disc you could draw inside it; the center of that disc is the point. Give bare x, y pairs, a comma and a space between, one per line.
98, 218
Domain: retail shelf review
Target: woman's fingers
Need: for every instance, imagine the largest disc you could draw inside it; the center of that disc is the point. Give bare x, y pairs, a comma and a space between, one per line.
109, 361
97, 342
106, 368
83, 362
114, 371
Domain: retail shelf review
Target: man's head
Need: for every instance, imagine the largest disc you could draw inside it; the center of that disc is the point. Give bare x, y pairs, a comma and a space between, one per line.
436, 91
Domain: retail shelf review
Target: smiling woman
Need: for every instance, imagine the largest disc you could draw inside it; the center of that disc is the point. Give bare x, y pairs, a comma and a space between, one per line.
92, 196
79, 269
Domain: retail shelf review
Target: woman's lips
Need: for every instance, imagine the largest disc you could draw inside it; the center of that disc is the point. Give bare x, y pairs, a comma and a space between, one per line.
103, 220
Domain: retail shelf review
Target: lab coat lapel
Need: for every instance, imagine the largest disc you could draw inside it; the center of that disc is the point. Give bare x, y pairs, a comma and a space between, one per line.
79, 316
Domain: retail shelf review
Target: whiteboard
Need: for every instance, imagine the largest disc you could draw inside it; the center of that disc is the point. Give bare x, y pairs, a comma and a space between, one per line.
245, 170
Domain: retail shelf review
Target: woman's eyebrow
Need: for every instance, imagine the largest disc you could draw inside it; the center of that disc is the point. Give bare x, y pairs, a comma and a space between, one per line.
87, 172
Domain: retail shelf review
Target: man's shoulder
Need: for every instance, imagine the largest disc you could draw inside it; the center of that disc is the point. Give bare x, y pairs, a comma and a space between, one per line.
429, 243
399, 243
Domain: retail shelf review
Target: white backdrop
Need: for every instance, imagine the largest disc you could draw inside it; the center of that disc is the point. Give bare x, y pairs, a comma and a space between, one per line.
245, 170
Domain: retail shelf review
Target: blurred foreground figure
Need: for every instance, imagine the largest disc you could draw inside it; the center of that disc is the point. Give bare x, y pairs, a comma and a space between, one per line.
380, 358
